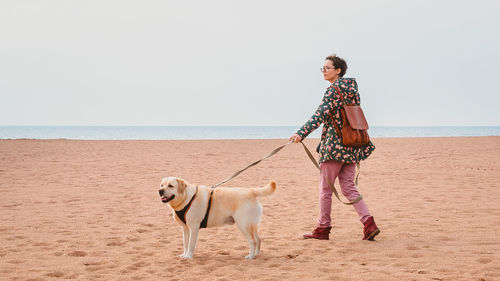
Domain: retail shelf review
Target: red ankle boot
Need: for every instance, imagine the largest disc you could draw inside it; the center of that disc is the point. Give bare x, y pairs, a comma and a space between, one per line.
322, 233
370, 230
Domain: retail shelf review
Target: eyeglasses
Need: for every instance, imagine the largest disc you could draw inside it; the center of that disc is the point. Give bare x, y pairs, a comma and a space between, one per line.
326, 68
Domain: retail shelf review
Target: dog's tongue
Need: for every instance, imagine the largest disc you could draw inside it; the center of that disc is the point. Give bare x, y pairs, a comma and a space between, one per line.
165, 199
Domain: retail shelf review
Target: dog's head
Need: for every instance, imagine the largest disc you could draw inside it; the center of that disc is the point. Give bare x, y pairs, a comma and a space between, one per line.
170, 187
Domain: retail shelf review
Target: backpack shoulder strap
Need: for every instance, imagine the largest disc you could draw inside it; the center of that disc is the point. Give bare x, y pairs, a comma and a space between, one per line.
340, 93
337, 129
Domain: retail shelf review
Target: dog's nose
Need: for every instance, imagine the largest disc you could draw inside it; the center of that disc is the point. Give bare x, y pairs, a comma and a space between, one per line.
161, 191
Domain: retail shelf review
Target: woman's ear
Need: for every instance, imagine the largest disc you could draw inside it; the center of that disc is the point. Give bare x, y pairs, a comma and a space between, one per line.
338, 70
181, 185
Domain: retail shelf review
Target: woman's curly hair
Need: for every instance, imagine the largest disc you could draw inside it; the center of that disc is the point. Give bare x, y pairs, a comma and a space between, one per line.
338, 63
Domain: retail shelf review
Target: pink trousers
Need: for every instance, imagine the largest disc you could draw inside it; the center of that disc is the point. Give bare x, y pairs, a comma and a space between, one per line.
346, 173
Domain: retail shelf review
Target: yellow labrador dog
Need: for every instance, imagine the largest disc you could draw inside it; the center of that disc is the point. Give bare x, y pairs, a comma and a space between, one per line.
196, 207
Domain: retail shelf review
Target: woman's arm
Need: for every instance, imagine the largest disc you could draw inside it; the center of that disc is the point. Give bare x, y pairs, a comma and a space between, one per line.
324, 109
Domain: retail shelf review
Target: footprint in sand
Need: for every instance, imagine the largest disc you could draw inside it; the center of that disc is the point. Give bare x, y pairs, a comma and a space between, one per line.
133, 238
77, 254
136, 266
95, 265
147, 254
395, 255
115, 243
92, 262
484, 260
274, 265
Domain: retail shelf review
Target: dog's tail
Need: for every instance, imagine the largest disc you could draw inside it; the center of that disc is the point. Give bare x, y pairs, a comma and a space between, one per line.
266, 190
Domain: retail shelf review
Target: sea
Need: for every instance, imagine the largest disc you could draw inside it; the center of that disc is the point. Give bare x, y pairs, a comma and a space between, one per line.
221, 132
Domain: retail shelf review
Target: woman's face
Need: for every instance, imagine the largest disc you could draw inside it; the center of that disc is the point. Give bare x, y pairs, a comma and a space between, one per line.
329, 72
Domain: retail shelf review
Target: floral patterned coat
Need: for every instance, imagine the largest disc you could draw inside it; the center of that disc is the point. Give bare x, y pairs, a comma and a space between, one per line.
331, 147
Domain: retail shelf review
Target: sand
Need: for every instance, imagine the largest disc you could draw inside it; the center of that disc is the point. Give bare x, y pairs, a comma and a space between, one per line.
90, 210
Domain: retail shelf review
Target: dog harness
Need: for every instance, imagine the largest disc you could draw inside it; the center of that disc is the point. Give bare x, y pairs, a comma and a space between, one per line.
182, 213
203, 223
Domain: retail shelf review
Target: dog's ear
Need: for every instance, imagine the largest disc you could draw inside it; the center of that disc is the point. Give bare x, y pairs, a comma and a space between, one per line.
181, 185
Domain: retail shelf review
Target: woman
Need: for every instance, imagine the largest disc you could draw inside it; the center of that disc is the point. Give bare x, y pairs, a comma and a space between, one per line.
336, 160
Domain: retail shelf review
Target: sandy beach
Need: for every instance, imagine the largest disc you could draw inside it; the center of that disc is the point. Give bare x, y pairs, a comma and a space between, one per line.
90, 210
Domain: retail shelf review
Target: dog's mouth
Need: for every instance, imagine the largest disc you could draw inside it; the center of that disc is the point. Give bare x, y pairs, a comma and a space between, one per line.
166, 199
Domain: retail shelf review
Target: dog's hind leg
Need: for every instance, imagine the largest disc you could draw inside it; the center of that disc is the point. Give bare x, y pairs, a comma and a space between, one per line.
257, 241
247, 219
248, 231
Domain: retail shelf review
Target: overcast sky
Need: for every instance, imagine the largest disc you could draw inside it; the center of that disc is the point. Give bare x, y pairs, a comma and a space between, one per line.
417, 63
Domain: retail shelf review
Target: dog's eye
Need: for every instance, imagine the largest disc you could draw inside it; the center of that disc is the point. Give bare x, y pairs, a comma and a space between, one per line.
170, 185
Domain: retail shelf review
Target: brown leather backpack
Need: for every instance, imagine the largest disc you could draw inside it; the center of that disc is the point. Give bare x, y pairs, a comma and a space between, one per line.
354, 130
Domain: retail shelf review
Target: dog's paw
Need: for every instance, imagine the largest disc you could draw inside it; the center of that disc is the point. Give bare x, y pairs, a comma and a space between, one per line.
186, 256
250, 257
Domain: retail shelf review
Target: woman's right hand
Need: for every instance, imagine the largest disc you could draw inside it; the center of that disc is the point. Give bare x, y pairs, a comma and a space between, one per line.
296, 138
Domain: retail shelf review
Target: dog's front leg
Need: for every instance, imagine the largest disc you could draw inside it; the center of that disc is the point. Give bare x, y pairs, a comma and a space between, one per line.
185, 240
193, 238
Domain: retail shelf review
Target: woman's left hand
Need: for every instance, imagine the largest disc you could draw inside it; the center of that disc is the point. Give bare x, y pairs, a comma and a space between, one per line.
296, 138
